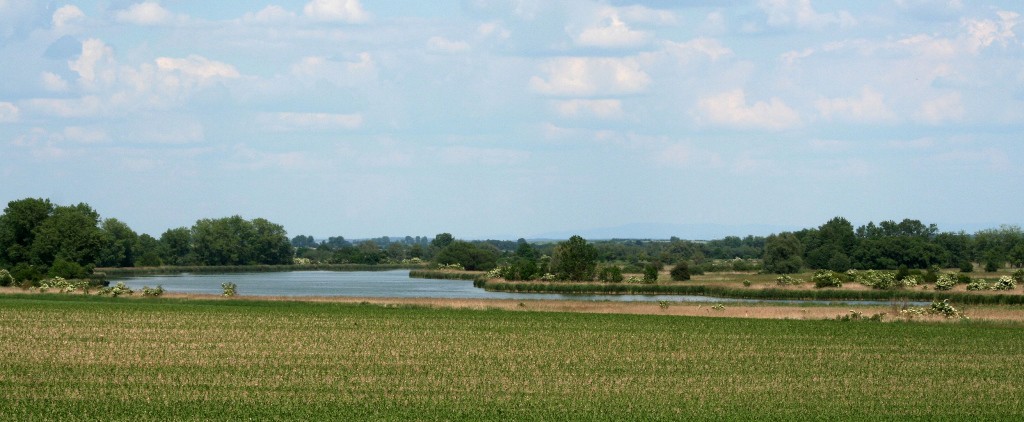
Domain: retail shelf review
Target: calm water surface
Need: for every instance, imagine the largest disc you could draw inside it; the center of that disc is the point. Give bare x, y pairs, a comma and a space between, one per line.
394, 283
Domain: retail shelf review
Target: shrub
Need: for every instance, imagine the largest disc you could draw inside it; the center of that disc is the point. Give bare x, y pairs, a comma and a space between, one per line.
650, 273
5, 278
826, 278
153, 292
786, 280
230, 289
1018, 276
978, 284
1005, 283
610, 274
966, 266
746, 283
945, 282
634, 279
963, 278
911, 281
991, 266
945, 309
680, 272
62, 285
932, 275
119, 289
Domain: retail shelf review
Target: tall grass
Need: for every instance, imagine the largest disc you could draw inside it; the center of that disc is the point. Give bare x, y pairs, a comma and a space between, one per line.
85, 358
744, 293
444, 275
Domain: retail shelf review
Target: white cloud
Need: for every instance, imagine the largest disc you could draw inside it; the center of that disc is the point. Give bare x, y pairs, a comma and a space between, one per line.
245, 158
349, 11
982, 33
610, 32
800, 14
145, 14
731, 109
288, 121
197, 67
941, 109
269, 14
95, 65
443, 45
604, 109
53, 82
702, 46
580, 76
868, 107
9, 113
495, 29
66, 15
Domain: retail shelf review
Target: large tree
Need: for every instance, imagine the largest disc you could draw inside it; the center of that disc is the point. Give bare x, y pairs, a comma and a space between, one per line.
782, 254
72, 234
574, 259
119, 244
18, 226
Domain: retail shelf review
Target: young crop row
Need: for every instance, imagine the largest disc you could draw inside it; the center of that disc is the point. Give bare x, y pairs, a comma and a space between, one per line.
90, 358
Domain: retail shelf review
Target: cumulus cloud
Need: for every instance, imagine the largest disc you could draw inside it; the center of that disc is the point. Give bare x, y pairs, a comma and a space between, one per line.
349, 11
9, 113
868, 107
603, 109
731, 109
800, 14
53, 82
582, 76
611, 32
66, 15
145, 14
982, 33
95, 64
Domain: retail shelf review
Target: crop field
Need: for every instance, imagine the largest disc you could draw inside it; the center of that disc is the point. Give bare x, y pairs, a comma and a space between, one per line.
92, 358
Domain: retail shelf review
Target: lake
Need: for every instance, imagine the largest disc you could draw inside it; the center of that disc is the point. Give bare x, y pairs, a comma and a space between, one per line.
395, 283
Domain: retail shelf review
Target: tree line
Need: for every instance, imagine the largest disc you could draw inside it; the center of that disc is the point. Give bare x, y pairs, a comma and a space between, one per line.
40, 239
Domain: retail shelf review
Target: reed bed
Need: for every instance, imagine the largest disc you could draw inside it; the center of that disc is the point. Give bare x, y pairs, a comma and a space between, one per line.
89, 358
725, 291
218, 269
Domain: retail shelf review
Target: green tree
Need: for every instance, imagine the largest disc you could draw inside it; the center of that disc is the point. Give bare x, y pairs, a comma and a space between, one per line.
119, 244
782, 254
472, 256
270, 245
574, 259
442, 240
223, 241
680, 272
176, 246
18, 226
71, 233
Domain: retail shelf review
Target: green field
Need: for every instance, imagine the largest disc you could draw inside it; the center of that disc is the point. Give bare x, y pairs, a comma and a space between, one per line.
90, 358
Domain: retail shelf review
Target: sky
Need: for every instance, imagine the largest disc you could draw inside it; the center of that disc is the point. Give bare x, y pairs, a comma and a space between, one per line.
516, 118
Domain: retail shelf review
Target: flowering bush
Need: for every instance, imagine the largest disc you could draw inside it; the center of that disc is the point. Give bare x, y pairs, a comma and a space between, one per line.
786, 280
230, 289
826, 278
301, 261
62, 285
911, 281
945, 282
153, 292
634, 279
978, 284
945, 309
119, 289
1005, 283
497, 272
548, 277
453, 267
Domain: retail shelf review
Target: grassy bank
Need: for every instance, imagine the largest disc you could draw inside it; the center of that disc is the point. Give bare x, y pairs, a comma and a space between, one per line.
726, 291
88, 358
444, 275
217, 269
